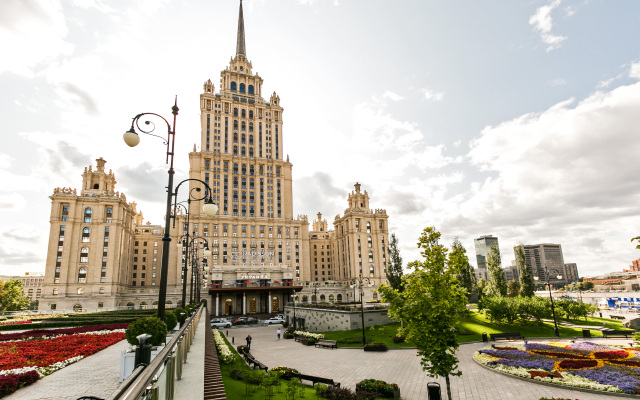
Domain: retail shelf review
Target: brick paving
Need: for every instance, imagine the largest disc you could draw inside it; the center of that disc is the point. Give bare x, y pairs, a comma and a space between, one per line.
401, 366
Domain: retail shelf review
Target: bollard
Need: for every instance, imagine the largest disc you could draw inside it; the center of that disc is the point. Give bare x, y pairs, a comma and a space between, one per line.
586, 333
433, 390
143, 351
227, 333
232, 341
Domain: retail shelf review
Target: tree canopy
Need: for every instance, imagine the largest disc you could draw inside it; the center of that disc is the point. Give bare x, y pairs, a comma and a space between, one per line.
12, 297
497, 282
431, 304
394, 267
458, 259
527, 286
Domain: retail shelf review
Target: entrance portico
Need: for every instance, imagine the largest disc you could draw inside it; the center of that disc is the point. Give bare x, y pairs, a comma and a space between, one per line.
250, 299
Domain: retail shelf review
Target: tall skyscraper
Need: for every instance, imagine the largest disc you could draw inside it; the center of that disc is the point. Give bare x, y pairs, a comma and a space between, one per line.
546, 254
102, 255
483, 245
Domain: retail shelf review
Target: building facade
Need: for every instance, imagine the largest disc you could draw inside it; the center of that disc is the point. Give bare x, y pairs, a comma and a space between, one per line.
31, 284
483, 246
549, 255
101, 254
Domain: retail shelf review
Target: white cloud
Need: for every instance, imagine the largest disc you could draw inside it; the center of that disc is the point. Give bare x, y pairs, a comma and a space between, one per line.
563, 175
392, 96
543, 23
605, 83
32, 32
634, 71
431, 95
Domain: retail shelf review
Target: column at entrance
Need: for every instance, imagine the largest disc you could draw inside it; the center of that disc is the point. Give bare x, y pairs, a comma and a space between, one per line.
217, 304
244, 303
269, 297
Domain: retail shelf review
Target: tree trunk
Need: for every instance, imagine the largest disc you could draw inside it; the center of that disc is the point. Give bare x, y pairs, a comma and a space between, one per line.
446, 378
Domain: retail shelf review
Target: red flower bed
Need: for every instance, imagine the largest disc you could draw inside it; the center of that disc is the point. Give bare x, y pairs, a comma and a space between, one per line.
578, 364
11, 383
45, 352
624, 362
63, 331
545, 374
17, 323
610, 355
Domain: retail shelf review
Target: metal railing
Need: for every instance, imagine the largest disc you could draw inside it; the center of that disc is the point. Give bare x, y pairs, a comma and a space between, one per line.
157, 380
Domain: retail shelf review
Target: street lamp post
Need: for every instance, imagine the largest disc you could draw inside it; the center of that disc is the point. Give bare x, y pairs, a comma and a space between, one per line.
553, 309
293, 296
359, 283
315, 294
131, 138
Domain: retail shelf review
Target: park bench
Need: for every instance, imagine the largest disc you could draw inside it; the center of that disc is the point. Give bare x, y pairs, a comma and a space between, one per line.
253, 363
332, 344
506, 336
626, 334
616, 317
315, 379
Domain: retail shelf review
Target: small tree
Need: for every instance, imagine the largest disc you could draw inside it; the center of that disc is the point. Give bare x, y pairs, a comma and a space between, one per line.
458, 259
394, 267
481, 286
497, 282
12, 297
513, 288
431, 305
527, 286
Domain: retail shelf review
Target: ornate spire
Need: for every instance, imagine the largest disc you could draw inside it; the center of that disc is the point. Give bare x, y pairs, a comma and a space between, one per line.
240, 47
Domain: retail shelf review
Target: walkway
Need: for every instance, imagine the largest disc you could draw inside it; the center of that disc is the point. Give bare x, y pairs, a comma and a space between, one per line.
401, 366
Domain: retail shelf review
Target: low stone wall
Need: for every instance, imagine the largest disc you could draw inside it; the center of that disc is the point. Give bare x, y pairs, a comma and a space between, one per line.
321, 320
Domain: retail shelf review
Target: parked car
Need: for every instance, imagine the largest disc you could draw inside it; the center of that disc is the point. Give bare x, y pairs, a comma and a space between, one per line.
220, 323
274, 320
251, 321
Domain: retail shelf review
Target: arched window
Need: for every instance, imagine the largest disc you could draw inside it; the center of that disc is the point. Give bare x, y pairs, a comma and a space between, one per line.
82, 275
77, 307
371, 270
250, 114
368, 227
244, 169
370, 256
235, 137
305, 298
233, 86
244, 211
322, 297
250, 151
370, 243
235, 210
251, 173
243, 151
143, 305
250, 126
235, 112
250, 89
130, 305
244, 183
87, 215
80, 291
101, 291
244, 114
339, 297
242, 88
235, 182
235, 150
235, 168
84, 255
243, 138
235, 125
243, 126
244, 196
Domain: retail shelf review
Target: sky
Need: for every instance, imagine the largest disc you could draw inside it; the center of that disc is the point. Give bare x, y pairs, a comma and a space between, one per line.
517, 119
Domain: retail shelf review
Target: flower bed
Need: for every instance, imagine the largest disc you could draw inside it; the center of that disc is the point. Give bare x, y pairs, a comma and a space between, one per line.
587, 365
388, 390
28, 357
375, 347
34, 333
306, 334
226, 356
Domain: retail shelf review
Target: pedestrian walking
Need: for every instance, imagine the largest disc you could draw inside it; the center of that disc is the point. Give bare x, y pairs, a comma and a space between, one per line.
248, 339
278, 332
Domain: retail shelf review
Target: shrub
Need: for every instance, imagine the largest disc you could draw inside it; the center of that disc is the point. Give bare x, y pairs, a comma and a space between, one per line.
242, 349
179, 311
170, 319
337, 393
377, 386
398, 339
238, 374
150, 325
375, 347
284, 372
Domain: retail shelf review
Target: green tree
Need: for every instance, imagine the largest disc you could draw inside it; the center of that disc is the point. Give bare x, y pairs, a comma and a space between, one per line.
527, 286
637, 238
431, 305
481, 286
497, 282
458, 260
12, 297
394, 267
513, 288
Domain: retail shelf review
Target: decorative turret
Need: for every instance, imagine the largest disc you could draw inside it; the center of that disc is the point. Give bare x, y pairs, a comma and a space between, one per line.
98, 182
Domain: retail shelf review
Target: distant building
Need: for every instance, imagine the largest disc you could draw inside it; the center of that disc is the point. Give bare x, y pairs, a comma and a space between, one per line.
635, 266
481, 274
511, 273
31, 283
483, 245
571, 273
549, 255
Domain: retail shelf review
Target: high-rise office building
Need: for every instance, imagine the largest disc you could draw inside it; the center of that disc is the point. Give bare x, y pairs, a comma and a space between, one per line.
483, 246
101, 254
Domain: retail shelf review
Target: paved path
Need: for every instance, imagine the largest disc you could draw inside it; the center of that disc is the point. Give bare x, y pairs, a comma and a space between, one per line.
96, 375
402, 366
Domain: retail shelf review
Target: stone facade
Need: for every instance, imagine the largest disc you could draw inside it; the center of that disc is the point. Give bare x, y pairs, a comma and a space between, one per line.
323, 320
101, 254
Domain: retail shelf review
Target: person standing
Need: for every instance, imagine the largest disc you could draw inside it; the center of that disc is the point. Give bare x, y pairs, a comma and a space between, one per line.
248, 339
278, 333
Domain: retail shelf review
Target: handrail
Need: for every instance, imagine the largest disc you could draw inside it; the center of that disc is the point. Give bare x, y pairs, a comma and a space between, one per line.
132, 390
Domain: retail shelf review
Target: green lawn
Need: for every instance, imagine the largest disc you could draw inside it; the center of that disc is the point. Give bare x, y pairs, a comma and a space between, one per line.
471, 329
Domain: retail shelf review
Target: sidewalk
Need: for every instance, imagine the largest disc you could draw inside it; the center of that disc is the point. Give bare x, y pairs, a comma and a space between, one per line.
402, 366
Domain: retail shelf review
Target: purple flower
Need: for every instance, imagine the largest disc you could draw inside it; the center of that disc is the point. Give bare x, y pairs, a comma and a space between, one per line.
530, 363
627, 382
